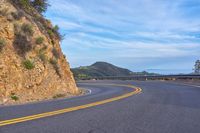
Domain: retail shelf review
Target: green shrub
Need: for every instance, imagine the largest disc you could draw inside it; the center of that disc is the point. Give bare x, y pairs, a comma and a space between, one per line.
22, 44
24, 3
53, 61
39, 40
42, 49
54, 32
43, 57
56, 53
28, 64
28, 5
22, 41
57, 33
14, 97
27, 29
55, 66
56, 28
2, 44
50, 32
40, 5
17, 28
83, 76
17, 15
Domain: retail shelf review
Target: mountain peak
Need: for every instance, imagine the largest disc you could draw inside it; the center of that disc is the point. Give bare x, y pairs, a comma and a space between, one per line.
100, 63
99, 69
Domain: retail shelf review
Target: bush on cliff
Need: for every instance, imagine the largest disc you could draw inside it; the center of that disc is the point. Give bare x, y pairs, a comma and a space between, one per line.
28, 64
2, 44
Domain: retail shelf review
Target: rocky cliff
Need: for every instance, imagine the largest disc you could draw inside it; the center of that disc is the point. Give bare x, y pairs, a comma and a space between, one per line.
32, 65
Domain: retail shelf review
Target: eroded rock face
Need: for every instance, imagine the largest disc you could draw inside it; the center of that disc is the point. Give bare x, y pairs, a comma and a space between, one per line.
50, 74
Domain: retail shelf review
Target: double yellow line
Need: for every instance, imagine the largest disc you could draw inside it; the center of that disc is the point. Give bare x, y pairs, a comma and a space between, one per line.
136, 90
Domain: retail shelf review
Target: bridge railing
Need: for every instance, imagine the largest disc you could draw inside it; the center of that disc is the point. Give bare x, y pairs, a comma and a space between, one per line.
147, 77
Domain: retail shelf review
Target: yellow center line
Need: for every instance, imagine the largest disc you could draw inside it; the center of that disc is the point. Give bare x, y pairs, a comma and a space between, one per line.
136, 90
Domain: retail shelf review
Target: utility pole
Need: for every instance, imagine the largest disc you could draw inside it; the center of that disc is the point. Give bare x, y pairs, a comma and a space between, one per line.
197, 67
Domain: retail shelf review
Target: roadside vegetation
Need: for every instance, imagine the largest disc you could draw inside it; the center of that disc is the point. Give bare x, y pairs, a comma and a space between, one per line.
27, 29
14, 97
39, 40
56, 53
22, 44
2, 44
24, 41
55, 66
43, 57
39, 5
17, 15
23, 37
28, 64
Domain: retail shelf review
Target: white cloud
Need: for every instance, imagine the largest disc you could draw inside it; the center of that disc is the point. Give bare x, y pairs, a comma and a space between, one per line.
127, 29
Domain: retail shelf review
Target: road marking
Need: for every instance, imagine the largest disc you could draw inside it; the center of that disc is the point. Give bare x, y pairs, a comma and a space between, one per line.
191, 85
47, 114
185, 84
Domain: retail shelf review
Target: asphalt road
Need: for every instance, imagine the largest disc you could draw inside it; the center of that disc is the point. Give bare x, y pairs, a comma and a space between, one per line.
162, 107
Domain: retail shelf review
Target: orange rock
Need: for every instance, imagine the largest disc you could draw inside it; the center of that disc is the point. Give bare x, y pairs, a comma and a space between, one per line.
40, 82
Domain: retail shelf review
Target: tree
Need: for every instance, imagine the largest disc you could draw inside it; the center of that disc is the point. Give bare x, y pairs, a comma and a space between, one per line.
58, 34
197, 67
40, 5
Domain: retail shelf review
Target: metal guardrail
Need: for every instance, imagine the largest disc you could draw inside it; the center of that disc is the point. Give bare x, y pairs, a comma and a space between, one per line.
153, 77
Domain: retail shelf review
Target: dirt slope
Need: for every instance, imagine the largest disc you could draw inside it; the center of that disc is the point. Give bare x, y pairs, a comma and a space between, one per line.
32, 65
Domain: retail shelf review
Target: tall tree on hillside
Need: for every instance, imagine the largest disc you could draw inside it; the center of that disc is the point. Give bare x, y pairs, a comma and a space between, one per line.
197, 67
40, 5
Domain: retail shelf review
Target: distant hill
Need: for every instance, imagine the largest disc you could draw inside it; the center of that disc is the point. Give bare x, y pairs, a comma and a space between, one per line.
102, 69
99, 69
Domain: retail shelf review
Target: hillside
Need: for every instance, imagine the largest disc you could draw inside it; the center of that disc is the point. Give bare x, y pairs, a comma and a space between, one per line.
32, 65
100, 69
103, 69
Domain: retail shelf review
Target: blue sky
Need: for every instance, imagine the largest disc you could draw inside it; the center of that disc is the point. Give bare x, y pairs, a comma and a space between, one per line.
154, 35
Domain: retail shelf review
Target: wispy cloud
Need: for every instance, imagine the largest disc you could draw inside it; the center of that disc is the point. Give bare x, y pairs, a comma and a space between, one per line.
129, 30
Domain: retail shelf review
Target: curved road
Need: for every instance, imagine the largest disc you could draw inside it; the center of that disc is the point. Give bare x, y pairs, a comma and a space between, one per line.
162, 107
